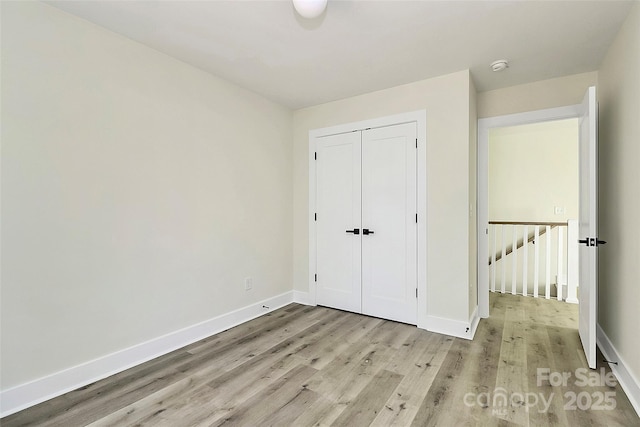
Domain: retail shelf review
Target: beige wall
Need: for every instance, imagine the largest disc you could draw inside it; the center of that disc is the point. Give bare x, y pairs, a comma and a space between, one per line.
619, 192
558, 92
532, 169
137, 193
446, 100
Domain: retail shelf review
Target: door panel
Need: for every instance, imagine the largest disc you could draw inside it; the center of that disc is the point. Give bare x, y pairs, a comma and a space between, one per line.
388, 209
338, 204
588, 226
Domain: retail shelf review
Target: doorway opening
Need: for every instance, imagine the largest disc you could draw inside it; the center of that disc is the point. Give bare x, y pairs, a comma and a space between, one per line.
587, 115
533, 202
502, 126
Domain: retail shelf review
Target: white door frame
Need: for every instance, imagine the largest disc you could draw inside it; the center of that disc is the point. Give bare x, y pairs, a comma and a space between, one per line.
484, 125
420, 118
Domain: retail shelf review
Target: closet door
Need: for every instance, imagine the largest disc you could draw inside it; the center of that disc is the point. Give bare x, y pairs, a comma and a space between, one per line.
389, 235
338, 228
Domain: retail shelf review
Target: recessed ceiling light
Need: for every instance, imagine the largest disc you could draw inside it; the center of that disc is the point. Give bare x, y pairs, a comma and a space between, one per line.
499, 65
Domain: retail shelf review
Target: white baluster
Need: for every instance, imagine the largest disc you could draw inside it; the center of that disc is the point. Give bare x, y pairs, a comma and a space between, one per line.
559, 280
536, 259
525, 260
514, 258
503, 261
493, 258
547, 293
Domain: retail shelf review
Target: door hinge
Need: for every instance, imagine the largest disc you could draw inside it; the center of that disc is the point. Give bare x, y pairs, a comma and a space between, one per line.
315, 155
416, 292
315, 277
315, 216
416, 218
416, 142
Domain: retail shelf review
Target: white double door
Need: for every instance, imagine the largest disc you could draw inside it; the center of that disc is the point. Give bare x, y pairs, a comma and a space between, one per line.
366, 222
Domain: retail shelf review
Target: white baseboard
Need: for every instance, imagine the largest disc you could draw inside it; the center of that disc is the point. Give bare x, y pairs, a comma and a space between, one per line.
455, 328
475, 319
302, 298
627, 380
25, 395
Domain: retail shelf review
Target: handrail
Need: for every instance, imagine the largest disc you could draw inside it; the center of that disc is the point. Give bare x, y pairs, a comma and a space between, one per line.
527, 223
530, 238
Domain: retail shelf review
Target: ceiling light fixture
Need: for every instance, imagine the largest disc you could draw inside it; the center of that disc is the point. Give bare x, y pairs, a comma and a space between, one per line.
310, 8
499, 65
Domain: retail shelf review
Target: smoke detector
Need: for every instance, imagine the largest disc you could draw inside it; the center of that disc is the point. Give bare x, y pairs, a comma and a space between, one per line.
499, 65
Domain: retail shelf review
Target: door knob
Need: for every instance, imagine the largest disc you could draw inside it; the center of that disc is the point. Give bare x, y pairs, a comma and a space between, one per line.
354, 231
366, 231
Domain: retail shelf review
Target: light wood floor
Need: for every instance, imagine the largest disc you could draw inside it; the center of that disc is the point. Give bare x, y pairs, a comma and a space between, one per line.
305, 366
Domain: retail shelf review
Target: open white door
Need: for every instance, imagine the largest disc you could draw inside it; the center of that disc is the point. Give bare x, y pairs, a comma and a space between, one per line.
588, 226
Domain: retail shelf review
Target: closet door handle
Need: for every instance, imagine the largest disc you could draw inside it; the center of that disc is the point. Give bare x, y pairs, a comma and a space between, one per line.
354, 231
366, 231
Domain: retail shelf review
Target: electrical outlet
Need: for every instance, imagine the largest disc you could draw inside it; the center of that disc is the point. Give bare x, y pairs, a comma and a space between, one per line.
559, 210
248, 283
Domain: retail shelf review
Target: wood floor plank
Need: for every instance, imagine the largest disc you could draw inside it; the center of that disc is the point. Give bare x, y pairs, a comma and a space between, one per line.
472, 372
292, 409
554, 313
228, 354
321, 352
343, 375
164, 402
203, 404
565, 341
101, 398
315, 366
548, 409
270, 321
412, 350
370, 401
512, 372
441, 405
419, 370
244, 381
269, 402
321, 413
346, 376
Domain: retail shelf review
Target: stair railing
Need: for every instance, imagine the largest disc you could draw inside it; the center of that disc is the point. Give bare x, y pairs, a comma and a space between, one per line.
526, 247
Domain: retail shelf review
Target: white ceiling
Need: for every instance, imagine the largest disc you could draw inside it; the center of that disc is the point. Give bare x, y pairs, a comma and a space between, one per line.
357, 47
